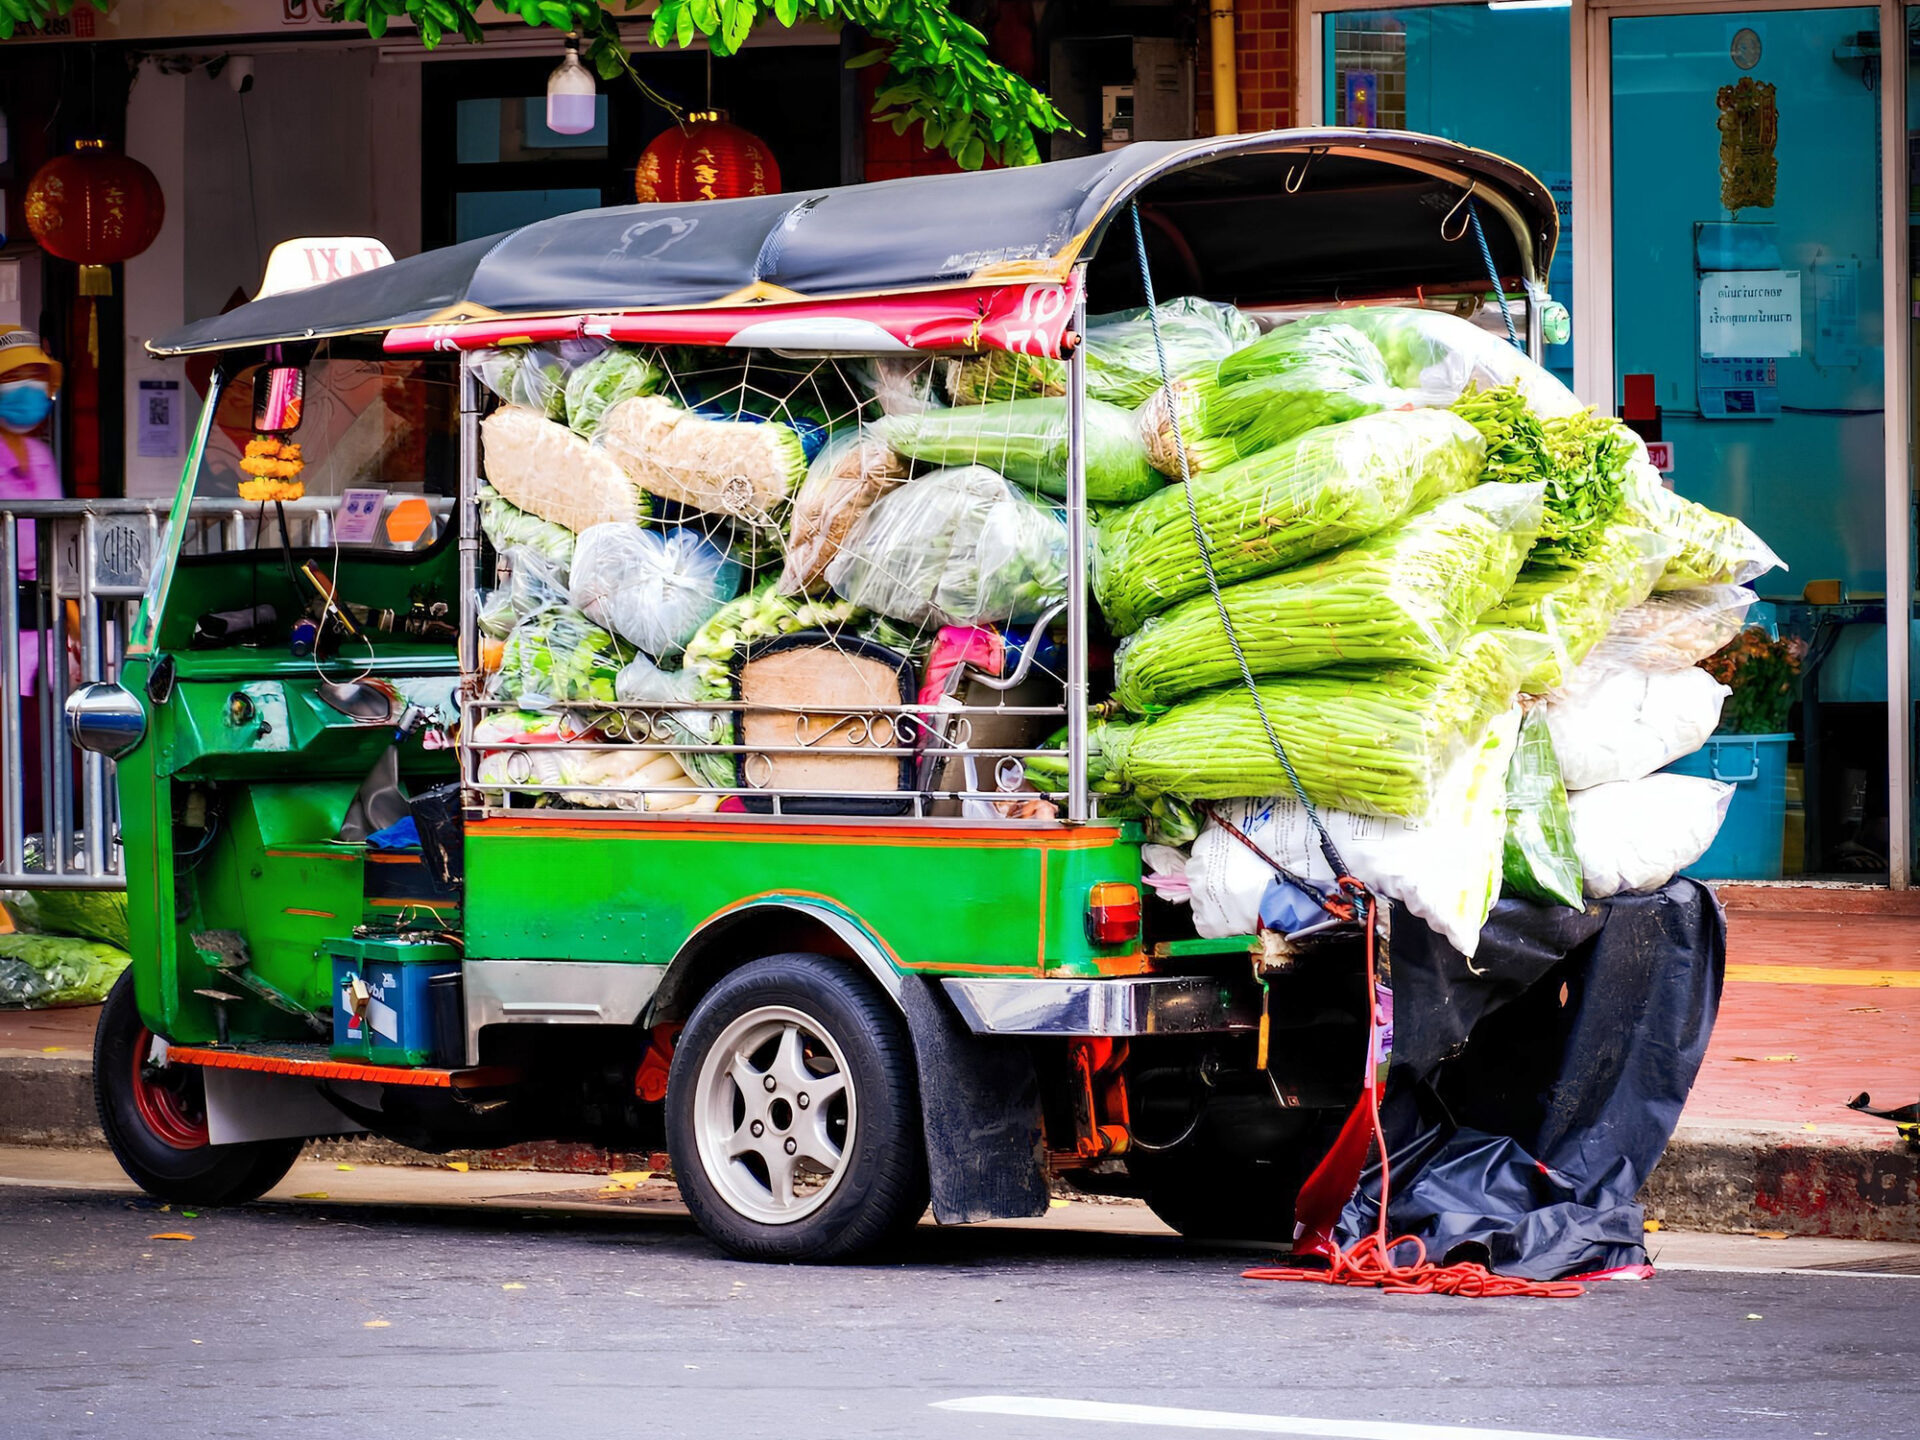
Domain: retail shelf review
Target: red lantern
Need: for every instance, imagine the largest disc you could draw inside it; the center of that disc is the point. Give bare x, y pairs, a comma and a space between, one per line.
95, 207
705, 159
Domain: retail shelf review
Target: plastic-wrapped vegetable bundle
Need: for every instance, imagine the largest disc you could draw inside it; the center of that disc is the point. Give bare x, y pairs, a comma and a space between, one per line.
533, 583
1026, 441
842, 483
1279, 386
954, 547
1709, 548
1372, 740
558, 655
1673, 629
1123, 366
1409, 593
86, 914
1639, 834
1573, 606
1619, 723
620, 372
1326, 489
1539, 861
1438, 356
509, 527
547, 470
653, 588
45, 971
1582, 458
533, 377
1444, 866
742, 468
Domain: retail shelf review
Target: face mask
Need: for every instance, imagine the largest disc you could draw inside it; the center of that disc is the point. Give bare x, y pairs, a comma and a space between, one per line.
24, 404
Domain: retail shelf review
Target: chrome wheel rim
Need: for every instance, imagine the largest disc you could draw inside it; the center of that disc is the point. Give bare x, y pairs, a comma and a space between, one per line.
774, 1115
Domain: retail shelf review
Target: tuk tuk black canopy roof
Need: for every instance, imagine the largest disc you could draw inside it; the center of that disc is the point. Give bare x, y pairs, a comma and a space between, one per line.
1290, 215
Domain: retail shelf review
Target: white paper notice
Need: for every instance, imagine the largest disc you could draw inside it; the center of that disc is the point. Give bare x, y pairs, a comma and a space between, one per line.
359, 518
1749, 314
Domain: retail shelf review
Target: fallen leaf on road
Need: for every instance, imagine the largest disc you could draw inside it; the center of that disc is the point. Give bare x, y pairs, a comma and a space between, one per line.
1769, 1234
1058, 1204
459, 1165
171, 1235
311, 1195
51, 1049
189, 1214
513, 1285
343, 1167
629, 1178
1809, 1126
384, 1324
1756, 1317
1863, 1010
1650, 1226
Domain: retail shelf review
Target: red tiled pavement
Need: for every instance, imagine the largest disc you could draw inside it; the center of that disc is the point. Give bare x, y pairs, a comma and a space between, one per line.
1790, 1053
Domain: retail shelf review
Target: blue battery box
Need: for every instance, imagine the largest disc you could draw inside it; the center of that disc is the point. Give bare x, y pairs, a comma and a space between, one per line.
387, 1017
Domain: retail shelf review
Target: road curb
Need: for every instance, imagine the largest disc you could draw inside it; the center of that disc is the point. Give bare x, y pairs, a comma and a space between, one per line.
1713, 1177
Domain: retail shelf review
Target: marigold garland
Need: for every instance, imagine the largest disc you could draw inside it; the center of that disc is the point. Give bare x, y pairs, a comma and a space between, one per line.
275, 466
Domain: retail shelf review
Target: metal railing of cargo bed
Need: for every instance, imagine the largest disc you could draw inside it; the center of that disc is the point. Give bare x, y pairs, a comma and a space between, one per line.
92, 563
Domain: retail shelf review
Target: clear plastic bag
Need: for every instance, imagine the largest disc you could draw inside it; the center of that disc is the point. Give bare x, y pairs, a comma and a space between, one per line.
1709, 548
1409, 593
1445, 866
954, 547
530, 582
653, 588
746, 468
1539, 862
1673, 629
1639, 834
897, 384
845, 478
508, 527
1621, 724
557, 656
619, 372
1436, 356
533, 377
1572, 606
1026, 441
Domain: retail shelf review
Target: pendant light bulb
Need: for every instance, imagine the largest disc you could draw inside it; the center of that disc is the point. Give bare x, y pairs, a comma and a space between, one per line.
570, 94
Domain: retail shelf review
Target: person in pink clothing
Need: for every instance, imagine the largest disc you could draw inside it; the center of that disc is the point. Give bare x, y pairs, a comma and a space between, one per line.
29, 379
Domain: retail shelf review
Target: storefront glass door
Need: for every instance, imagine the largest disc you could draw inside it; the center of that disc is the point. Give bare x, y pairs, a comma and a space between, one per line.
1747, 308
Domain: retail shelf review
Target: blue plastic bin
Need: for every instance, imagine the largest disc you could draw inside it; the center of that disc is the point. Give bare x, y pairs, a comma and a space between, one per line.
1753, 834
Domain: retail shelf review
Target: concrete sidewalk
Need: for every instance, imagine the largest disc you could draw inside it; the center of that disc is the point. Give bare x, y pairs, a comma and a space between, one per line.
1819, 1006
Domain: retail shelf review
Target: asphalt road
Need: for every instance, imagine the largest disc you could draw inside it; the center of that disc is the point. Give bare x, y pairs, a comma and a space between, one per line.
315, 1318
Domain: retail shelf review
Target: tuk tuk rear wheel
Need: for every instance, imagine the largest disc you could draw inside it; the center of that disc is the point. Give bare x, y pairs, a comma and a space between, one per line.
155, 1119
793, 1115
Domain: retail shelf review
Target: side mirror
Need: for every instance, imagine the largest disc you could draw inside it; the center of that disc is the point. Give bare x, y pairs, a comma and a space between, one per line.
277, 394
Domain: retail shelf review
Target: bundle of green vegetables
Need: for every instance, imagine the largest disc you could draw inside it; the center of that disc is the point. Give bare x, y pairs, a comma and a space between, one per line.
617, 373
1281, 385
87, 914
1026, 441
558, 656
1374, 739
1328, 488
1411, 593
529, 376
1573, 605
509, 527
1538, 861
1436, 356
1123, 365
44, 971
1582, 459
1708, 548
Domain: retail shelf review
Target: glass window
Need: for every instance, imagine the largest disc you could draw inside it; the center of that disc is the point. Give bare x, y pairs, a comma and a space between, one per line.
1496, 79
494, 131
487, 212
1747, 309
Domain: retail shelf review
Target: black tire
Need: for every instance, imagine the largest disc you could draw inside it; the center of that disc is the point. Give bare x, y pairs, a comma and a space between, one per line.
879, 1186
155, 1121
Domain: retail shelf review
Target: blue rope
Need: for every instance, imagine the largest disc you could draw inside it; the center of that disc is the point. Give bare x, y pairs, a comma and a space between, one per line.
1486, 258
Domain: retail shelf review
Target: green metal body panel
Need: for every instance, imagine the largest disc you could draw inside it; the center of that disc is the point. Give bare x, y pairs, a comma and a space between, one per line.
959, 901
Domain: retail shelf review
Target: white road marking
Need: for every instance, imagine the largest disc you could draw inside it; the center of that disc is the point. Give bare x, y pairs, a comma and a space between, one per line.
1113, 1413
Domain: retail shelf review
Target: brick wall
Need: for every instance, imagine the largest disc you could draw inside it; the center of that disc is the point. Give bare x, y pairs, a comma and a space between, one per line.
1264, 68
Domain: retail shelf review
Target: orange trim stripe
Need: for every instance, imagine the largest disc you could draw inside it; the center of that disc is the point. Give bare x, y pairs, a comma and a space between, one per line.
316, 914
314, 854
331, 1069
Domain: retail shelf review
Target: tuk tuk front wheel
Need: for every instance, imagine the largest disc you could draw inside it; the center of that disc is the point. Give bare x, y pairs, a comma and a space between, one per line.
155, 1119
793, 1117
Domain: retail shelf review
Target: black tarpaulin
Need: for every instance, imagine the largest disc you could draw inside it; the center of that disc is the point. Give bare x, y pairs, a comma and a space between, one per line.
1528, 1103
1256, 219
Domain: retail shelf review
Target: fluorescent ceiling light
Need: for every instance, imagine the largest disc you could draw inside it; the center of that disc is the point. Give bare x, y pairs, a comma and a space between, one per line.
1529, 4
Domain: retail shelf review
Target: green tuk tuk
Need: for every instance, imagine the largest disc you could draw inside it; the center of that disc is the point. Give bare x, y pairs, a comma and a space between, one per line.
419, 844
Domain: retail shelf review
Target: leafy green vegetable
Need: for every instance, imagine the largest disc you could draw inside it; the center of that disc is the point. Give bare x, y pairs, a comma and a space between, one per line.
1325, 489
1582, 458
1409, 593
87, 914
1026, 441
617, 373
558, 655
1708, 548
511, 528
1539, 862
43, 971
1573, 605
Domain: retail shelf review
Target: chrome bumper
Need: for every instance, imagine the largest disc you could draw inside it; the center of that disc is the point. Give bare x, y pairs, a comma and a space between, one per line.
1171, 1005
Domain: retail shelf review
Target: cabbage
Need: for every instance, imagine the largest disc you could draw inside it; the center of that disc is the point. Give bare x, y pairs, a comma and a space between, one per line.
615, 374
